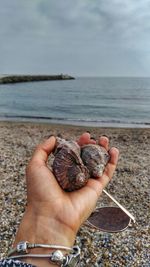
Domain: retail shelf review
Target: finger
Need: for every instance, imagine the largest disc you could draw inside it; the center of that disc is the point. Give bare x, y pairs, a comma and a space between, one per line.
104, 141
114, 155
110, 167
84, 139
43, 150
92, 141
100, 183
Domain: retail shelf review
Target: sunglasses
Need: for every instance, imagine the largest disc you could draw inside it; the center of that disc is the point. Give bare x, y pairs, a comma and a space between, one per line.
111, 219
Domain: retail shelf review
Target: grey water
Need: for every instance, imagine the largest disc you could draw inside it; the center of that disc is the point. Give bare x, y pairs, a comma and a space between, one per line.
96, 101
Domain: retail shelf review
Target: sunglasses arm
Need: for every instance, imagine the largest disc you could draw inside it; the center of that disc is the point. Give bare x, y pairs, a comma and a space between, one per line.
120, 206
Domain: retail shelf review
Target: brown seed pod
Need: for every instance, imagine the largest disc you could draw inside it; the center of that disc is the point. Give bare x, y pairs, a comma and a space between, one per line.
95, 158
68, 167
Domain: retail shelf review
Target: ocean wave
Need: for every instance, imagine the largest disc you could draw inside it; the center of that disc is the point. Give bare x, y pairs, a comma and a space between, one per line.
77, 121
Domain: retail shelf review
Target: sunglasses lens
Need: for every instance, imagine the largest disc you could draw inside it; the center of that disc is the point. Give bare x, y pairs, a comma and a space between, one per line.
109, 219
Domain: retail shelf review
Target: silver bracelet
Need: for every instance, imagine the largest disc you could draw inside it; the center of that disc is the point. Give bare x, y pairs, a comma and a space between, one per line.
23, 246
56, 257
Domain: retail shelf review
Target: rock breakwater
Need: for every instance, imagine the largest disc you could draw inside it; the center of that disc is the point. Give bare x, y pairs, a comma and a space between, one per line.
31, 78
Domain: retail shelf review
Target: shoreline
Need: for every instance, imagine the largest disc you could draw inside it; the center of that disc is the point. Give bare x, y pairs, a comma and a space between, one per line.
72, 123
134, 134
130, 186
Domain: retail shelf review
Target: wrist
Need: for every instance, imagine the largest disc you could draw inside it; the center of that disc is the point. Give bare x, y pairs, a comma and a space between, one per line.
43, 229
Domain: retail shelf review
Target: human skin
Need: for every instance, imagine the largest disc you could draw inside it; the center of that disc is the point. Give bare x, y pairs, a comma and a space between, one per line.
53, 216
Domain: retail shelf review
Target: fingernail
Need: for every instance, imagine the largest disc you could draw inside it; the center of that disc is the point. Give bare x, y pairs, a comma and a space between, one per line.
88, 132
93, 138
50, 136
104, 135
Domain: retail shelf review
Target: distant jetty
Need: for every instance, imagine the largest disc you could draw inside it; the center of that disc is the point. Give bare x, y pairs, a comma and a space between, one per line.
32, 78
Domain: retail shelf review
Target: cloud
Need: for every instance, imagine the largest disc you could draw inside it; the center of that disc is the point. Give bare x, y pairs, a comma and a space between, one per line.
85, 37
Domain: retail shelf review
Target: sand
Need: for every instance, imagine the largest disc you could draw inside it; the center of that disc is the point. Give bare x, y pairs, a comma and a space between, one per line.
130, 186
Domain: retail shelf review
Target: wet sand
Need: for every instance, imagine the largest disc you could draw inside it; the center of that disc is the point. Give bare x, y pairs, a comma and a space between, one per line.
130, 186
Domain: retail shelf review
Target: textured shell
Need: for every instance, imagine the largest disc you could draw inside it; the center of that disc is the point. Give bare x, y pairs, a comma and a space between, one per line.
95, 158
68, 167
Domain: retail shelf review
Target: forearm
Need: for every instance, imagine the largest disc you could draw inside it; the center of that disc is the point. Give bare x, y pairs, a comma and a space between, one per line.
42, 230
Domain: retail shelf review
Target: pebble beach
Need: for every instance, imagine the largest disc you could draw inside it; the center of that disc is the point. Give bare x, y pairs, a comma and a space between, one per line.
130, 186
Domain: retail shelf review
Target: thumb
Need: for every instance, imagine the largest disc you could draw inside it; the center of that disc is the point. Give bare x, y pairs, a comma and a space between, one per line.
43, 150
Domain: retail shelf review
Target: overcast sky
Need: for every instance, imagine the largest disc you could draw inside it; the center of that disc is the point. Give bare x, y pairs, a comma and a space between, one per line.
78, 37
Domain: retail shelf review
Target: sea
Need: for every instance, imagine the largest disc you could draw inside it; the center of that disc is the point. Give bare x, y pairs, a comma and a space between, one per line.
86, 101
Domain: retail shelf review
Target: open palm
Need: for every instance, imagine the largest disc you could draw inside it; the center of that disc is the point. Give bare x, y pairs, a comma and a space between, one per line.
46, 197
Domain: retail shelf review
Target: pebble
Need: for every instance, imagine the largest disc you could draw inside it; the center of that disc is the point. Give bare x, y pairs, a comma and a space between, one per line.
130, 186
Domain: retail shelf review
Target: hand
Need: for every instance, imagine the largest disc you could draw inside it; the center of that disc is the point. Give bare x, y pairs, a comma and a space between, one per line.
54, 216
